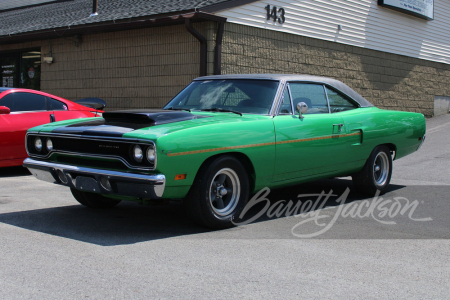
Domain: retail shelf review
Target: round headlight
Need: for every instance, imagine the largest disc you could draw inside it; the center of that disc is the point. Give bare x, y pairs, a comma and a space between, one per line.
137, 153
151, 155
38, 144
49, 145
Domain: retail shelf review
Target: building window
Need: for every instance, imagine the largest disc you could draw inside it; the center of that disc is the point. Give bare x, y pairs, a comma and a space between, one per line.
21, 69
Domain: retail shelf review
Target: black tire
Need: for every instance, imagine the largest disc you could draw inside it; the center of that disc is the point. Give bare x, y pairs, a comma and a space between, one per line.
376, 173
219, 193
93, 200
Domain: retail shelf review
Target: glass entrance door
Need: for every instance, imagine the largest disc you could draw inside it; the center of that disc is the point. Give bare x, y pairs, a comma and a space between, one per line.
9, 65
21, 70
30, 70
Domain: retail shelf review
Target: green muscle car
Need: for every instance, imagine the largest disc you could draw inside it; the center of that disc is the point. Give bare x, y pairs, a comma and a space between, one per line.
223, 138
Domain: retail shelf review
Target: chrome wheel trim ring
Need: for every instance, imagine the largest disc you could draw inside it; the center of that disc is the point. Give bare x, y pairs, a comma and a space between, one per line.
381, 169
224, 187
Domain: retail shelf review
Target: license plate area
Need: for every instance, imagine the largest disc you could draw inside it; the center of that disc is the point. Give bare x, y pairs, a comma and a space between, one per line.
86, 184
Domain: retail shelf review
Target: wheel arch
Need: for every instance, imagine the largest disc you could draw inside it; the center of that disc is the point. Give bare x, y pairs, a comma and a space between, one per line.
392, 148
242, 158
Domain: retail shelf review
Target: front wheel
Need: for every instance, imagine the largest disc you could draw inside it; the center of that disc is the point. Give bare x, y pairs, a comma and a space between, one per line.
376, 174
219, 193
93, 200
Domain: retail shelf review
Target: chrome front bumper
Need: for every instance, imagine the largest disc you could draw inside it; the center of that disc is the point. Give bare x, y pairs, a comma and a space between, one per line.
93, 180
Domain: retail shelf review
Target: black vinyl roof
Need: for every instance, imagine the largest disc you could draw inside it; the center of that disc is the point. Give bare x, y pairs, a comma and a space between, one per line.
338, 85
66, 14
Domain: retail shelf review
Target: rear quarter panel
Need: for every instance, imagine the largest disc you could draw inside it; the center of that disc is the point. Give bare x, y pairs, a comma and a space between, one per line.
379, 126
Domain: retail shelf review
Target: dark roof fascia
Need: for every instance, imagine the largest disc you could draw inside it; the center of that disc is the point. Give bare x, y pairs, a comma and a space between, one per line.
225, 5
109, 26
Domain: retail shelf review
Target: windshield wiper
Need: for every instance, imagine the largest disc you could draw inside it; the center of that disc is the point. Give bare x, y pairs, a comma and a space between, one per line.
178, 108
221, 110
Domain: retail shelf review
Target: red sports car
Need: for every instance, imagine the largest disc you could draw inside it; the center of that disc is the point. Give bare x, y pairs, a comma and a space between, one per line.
21, 109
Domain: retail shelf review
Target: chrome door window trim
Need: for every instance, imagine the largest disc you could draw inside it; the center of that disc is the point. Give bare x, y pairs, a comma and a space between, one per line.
307, 82
277, 99
345, 96
326, 96
330, 87
292, 100
286, 90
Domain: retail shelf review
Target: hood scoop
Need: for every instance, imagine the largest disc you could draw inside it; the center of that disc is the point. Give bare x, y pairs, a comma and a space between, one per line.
117, 123
149, 117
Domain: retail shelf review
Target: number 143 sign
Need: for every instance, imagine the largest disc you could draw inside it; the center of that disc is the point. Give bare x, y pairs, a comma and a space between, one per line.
276, 14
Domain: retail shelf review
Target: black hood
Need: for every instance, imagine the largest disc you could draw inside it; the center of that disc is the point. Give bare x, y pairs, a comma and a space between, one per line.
117, 123
150, 117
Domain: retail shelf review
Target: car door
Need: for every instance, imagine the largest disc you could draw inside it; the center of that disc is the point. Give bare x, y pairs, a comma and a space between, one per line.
27, 110
308, 146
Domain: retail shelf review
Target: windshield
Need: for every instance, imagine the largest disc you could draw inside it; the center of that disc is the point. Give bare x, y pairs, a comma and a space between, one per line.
239, 95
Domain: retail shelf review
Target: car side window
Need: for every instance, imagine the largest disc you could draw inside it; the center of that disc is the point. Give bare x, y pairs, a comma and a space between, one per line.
29, 102
286, 108
339, 102
8, 101
312, 94
55, 104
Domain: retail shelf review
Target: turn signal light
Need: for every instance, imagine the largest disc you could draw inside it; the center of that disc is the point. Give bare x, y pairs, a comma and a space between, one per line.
180, 176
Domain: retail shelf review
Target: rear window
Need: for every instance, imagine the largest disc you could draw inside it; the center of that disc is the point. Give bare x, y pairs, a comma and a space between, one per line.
55, 104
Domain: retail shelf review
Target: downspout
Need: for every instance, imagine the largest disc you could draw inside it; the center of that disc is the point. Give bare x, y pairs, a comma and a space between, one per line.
218, 50
203, 46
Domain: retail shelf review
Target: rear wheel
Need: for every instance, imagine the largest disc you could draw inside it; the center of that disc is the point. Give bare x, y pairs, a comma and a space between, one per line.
93, 200
219, 193
376, 174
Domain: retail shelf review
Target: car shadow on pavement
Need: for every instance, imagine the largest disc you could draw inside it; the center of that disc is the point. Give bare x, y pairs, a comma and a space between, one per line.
14, 172
130, 222
127, 223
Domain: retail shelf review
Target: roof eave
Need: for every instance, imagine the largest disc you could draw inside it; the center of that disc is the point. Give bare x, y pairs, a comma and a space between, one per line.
113, 25
225, 5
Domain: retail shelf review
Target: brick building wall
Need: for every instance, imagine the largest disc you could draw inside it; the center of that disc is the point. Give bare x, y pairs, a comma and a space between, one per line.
145, 68
141, 68
387, 80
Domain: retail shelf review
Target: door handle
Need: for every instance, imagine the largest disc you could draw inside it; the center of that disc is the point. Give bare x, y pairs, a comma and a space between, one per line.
52, 118
340, 126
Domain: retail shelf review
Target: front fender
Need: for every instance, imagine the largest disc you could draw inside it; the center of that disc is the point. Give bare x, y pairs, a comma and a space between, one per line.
184, 151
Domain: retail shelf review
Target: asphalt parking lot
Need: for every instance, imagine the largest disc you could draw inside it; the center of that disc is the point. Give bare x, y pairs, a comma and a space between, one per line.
347, 247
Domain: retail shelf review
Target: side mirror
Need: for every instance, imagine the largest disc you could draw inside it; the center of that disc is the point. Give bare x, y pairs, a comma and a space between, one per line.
302, 109
4, 110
